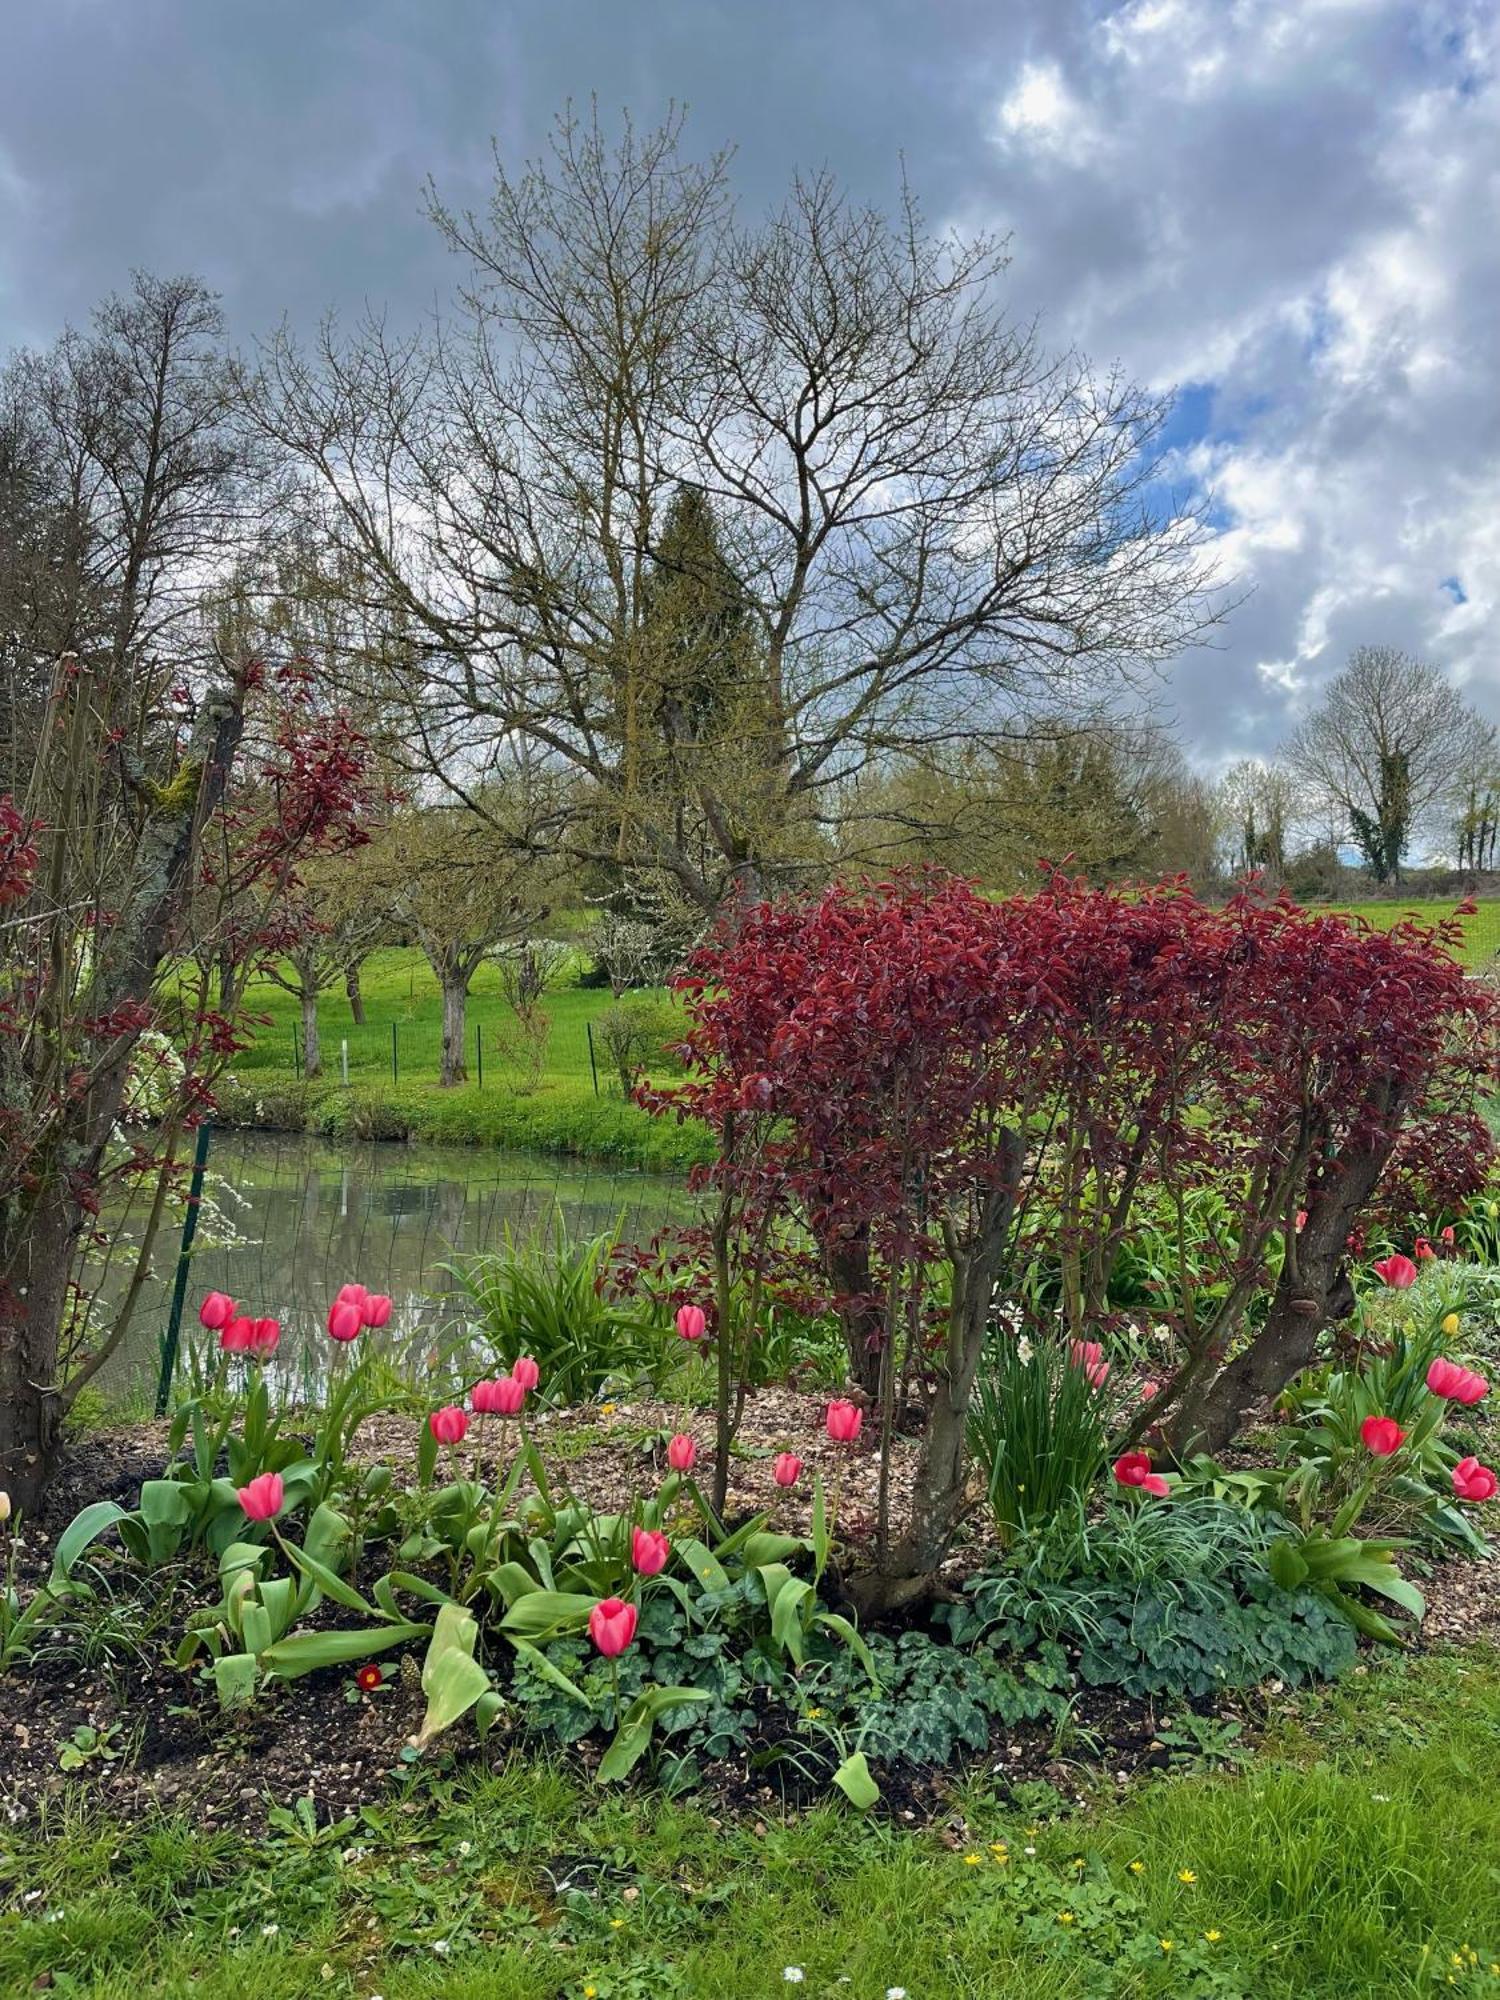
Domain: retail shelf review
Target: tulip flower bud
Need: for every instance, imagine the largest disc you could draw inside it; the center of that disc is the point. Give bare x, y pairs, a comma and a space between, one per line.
526, 1372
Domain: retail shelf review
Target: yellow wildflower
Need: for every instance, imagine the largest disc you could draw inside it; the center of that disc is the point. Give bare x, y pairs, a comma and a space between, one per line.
1167, 1944
617, 1923
1137, 1867
1186, 1875
1212, 1937
1065, 1916
971, 1861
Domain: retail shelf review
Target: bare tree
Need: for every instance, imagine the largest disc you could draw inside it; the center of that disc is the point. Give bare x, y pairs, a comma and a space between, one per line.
1255, 808
929, 523
1383, 748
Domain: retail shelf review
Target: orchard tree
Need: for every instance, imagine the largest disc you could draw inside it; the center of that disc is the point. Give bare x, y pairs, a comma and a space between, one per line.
715, 515
1382, 750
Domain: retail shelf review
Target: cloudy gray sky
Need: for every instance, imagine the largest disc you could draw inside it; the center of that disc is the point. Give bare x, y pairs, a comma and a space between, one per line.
1288, 209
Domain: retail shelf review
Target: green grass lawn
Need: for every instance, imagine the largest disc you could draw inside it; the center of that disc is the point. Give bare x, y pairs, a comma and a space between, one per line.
1354, 1857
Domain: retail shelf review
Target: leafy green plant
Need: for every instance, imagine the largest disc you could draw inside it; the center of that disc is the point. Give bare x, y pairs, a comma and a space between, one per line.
548, 1299
1037, 1428
90, 1745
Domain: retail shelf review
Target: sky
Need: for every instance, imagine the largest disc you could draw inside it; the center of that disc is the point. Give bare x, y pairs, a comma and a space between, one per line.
1287, 211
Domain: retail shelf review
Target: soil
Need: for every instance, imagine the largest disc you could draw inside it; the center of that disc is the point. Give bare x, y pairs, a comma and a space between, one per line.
322, 1739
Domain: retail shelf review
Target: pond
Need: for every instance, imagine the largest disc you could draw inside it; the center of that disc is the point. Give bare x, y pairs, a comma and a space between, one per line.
309, 1215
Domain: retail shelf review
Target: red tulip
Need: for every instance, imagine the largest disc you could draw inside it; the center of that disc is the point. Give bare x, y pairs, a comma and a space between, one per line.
843, 1421
352, 1295
216, 1311
786, 1468
682, 1452
1381, 1436
1473, 1389
345, 1321
262, 1498
526, 1372
238, 1336
377, 1309
448, 1425
1301, 1220
266, 1338
1473, 1481
1423, 1250
692, 1322
1447, 1237
1134, 1469
612, 1626
1445, 1378
482, 1396
648, 1552
1398, 1272
1149, 1391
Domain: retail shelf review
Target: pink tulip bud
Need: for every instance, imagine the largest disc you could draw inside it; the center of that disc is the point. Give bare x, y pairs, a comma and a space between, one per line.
682, 1452
692, 1322
216, 1311
1448, 1237
262, 1498
448, 1425
1422, 1250
1098, 1374
510, 1397
612, 1626
1085, 1353
843, 1421
786, 1468
377, 1309
526, 1372
266, 1339
1301, 1220
344, 1320
482, 1396
238, 1336
648, 1552
352, 1295
1150, 1391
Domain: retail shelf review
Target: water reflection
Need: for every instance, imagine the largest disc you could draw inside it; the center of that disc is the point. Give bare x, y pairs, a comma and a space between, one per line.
312, 1216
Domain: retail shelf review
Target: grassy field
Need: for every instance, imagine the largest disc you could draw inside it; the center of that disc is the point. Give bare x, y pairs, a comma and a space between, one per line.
570, 1109
1354, 1857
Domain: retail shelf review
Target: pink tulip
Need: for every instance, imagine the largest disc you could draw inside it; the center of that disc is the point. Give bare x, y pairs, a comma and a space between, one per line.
510, 1397
1134, 1469
262, 1498
266, 1338
216, 1311
786, 1468
1085, 1353
377, 1309
526, 1372
1398, 1272
843, 1422
345, 1321
482, 1396
1381, 1436
1422, 1250
448, 1425
692, 1322
1098, 1374
612, 1626
238, 1336
1454, 1384
1447, 1237
682, 1452
648, 1552
1301, 1220
352, 1295
1473, 1481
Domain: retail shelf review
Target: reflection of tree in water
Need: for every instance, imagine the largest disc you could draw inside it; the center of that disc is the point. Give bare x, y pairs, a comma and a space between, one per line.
384, 1216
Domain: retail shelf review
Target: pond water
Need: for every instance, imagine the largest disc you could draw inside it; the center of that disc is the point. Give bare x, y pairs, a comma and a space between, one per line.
310, 1215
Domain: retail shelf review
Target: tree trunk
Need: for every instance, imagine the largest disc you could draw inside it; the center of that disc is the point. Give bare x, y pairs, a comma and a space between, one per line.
1307, 1299
937, 1499
846, 1259
39, 1230
356, 996
455, 1015
312, 1048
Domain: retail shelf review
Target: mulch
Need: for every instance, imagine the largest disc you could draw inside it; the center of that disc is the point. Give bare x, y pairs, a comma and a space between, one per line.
310, 1739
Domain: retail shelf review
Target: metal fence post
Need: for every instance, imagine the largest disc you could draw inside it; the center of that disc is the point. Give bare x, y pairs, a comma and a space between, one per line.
344, 1059
479, 1052
395, 1071
179, 1285
593, 1066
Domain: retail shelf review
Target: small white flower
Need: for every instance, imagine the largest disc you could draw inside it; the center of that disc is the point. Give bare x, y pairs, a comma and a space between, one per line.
792, 1974
895, 1993
466, 1847
269, 1930
1031, 1850
1023, 1355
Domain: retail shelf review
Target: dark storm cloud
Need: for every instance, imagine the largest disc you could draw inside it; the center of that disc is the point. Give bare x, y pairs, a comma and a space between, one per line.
1291, 204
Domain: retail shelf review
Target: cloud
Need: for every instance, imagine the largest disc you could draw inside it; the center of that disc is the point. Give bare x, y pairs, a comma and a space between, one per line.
1286, 208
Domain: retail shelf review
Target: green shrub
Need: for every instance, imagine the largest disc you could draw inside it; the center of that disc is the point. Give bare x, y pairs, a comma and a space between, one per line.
1037, 1429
